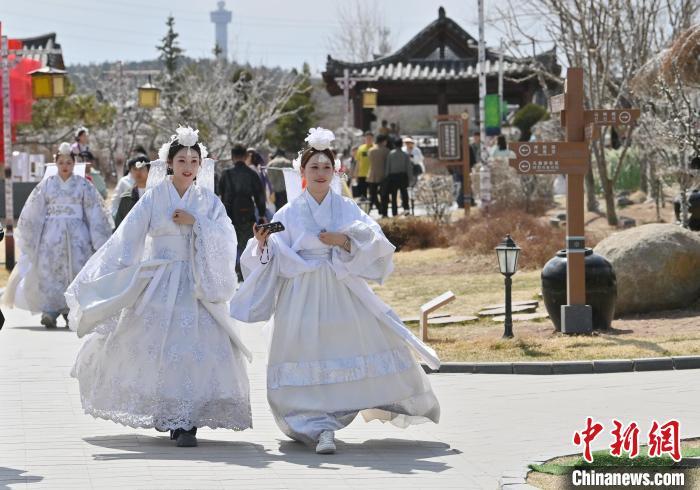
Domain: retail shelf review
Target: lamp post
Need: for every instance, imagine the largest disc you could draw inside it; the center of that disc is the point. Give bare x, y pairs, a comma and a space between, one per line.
48, 82
346, 83
508, 252
369, 98
149, 95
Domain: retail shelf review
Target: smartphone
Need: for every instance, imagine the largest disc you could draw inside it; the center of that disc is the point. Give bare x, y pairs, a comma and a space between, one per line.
273, 227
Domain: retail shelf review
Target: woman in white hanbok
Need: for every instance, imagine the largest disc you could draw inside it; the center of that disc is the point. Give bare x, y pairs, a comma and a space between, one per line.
163, 352
336, 349
61, 225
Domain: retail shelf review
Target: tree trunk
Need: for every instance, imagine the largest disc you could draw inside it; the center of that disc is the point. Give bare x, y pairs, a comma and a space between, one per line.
610, 202
591, 198
606, 183
643, 177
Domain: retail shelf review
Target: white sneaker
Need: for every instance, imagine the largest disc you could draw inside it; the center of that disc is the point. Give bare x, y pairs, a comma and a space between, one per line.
326, 443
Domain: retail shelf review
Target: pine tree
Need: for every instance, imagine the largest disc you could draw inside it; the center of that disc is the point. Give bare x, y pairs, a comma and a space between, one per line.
170, 52
171, 55
290, 131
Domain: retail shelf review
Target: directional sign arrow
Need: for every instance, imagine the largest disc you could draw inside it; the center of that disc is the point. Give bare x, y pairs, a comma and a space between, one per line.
550, 158
527, 166
563, 150
610, 117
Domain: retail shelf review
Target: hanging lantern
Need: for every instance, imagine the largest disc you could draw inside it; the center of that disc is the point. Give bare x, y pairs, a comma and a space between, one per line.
48, 82
149, 95
369, 98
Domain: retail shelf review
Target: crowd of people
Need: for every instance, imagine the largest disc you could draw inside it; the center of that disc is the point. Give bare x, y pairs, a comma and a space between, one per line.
385, 167
157, 297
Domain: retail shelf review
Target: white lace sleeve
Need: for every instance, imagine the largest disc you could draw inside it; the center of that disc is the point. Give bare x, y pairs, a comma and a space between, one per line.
99, 221
31, 221
123, 249
215, 248
371, 254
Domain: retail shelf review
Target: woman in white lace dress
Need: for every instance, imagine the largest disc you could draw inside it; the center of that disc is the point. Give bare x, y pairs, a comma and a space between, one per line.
61, 225
163, 352
336, 349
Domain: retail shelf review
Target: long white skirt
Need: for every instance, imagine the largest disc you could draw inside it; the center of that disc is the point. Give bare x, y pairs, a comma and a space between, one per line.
168, 372
331, 358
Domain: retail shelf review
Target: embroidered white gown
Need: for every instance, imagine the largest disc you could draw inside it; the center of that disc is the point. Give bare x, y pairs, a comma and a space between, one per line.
61, 225
336, 349
163, 352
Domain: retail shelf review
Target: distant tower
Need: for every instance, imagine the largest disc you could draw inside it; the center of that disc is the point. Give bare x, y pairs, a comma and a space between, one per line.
221, 18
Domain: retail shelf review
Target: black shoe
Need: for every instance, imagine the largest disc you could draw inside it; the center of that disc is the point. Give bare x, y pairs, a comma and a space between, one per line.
177, 433
48, 321
187, 440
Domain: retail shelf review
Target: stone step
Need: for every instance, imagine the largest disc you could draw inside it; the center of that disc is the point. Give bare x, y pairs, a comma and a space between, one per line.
452, 319
514, 309
532, 302
416, 319
523, 317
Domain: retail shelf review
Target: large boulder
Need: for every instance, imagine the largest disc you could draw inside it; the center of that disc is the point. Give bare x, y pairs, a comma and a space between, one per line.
657, 267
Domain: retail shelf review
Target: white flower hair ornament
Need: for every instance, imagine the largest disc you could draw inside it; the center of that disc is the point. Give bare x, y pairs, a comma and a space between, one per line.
187, 137
64, 148
319, 139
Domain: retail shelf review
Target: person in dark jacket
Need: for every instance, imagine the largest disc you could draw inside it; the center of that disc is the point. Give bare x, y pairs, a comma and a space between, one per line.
138, 169
242, 193
398, 170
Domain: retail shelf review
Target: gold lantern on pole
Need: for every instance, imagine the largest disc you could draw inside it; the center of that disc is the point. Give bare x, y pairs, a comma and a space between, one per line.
149, 95
369, 98
48, 82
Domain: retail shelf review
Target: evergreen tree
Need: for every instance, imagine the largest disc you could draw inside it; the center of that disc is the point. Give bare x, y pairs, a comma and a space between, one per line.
170, 52
289, 131
171, 55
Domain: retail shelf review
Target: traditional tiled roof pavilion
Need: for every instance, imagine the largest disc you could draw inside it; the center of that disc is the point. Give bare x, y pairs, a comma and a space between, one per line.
437, 66
45, 41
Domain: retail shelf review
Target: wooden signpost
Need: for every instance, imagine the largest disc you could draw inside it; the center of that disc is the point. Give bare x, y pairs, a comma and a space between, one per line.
571, 158
451, 129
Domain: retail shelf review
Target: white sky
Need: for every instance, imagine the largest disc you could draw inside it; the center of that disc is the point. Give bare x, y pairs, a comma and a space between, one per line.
272, 32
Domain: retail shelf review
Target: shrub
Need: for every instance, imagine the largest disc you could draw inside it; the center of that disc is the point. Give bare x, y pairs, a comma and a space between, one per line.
413, 233
538, 240
436, 193
526, 117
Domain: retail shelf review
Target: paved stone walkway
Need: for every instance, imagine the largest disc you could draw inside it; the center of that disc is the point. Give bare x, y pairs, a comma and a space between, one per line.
491, 425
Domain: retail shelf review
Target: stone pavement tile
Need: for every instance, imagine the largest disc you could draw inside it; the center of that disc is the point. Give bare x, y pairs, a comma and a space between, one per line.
485, 418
